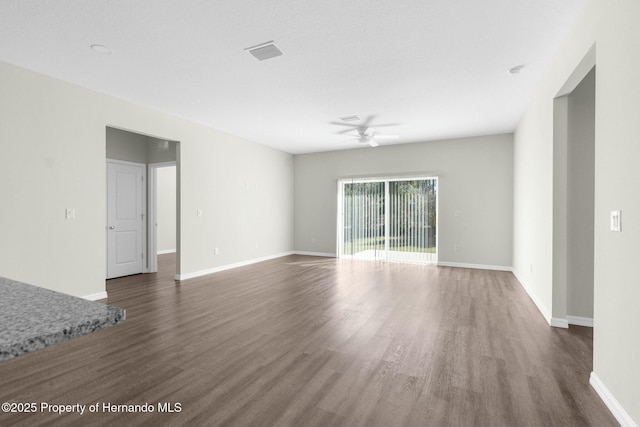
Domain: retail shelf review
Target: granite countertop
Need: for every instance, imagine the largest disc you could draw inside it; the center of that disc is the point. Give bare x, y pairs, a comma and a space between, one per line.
32, 318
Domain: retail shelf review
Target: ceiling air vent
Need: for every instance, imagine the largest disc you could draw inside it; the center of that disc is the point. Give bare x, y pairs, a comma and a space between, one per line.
264, 51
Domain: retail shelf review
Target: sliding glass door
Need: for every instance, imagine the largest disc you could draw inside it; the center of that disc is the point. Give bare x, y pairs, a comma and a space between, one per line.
388, 219
363, 225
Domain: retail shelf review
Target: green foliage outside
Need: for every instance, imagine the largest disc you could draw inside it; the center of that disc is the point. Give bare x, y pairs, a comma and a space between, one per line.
411, 222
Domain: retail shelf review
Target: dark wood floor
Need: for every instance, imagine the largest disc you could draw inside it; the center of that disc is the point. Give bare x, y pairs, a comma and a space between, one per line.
303, 341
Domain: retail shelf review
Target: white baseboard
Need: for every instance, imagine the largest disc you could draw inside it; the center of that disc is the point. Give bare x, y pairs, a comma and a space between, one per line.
200, 273
580, 321
166, 251
614, 406
541, 308
558, 322
474, 266
96, 297
324, 254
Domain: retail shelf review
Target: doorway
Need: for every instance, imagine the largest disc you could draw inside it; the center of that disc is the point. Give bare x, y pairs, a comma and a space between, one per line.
148, 153
162, 212
574, 198
391, 219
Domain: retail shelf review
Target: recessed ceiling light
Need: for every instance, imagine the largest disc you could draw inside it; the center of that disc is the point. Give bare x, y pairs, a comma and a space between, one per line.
101, 49
350, 118
264, 51
516, 70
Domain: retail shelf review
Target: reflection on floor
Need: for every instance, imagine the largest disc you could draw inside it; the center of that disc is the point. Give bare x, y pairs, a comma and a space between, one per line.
423, 257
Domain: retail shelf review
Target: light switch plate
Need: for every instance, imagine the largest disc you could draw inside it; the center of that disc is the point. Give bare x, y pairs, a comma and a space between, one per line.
616, 220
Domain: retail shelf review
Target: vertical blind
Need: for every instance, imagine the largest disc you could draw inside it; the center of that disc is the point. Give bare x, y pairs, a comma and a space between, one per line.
389, 219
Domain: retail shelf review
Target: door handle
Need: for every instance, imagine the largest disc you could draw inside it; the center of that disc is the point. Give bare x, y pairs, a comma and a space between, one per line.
111, 227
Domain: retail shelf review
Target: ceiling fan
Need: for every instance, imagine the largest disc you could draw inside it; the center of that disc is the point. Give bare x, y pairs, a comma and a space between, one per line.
367, 135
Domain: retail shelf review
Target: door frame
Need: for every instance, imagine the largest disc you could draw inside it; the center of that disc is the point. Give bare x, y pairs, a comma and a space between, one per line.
152, 230
559, 317
144, 211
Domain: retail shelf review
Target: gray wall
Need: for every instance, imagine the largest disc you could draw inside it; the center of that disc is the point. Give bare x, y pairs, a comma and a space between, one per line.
134, 147
580, 197
475, 181
127, 146
155, 155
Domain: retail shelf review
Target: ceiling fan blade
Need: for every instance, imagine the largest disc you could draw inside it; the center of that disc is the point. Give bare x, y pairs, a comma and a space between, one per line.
346, 131
352, 125
366, 134
364, 131
352, 139
367, 121
385, 124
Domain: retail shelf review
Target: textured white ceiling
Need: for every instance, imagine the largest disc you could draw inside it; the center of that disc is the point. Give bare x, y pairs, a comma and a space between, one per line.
435, 68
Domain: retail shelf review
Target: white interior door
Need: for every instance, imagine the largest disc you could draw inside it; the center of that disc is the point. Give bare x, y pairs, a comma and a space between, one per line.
125, 219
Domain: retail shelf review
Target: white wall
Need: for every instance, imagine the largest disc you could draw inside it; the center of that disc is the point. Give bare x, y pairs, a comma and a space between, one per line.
612, 27
53, 157
475, 178
166, 209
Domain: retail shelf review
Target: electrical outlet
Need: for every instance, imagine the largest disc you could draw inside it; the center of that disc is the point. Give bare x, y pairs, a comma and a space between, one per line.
216, 251
616, 221
198, 212
70, 213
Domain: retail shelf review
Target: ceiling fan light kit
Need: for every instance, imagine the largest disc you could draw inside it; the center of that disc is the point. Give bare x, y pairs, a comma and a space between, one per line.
368, 140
